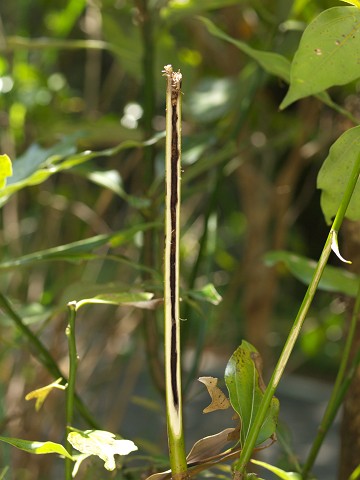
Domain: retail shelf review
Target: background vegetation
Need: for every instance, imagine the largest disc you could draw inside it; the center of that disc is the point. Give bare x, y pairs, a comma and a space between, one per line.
85, 75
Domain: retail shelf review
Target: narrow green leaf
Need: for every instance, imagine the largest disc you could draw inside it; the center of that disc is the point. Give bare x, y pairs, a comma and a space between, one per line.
335, 173
140, 300
271, 62
334, 279
37, 164
246, 390
278, 472
101, 443
39, 448
328, 54
5, 169
3, 473
77, 251
177, 9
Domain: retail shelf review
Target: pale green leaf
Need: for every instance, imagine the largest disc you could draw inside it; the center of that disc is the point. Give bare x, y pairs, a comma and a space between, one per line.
207, 294
5, 169
278, 472
328, 54
246, 390
39, 448
335, 172
333, 279
40, 394
3, 473
111, 180
101, 443
271, 62
140, 300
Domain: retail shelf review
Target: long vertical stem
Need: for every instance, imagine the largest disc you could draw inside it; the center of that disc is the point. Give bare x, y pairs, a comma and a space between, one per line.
337, 394
240, 465
150, 328
171, 274
70, 391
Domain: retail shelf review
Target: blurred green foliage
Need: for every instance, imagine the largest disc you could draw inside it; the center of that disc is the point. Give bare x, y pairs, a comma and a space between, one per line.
87, 75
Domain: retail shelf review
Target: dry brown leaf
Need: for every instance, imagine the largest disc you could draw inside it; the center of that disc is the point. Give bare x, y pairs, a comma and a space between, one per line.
218, 399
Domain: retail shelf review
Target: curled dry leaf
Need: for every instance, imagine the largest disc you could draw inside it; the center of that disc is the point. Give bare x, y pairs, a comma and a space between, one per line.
218, 399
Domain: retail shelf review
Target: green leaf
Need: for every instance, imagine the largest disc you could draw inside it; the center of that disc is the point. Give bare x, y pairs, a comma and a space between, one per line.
177, 9
39, 448
207, 294
335, 172
38, 164
328, 54
5, 169
111, 180
280, 473
333, 279
101, 443
353, 2
3, 473
77, 251
246, 390
271, 62
140, 300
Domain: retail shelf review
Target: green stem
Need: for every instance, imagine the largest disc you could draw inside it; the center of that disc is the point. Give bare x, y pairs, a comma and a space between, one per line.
240, 465
337, 394
149, 326
171, 281
70, 391
44, 357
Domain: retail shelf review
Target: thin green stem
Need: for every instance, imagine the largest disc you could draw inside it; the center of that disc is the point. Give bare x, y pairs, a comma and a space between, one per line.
174, 411
70, 391
337, 394
240, 465
44, 357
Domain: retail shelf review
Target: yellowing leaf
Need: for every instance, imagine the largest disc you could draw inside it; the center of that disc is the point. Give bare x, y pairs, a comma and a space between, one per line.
101, 443
218, 398
38, 448
5, 169
40, 394
356, 3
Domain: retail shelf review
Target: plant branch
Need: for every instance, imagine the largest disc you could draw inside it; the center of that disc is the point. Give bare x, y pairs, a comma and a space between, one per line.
70, 391
250, 443
44, 357
338, 393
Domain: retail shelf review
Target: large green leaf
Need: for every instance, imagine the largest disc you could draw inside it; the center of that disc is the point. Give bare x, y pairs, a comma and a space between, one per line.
271, 62
38, 448
335, 173
246, 390
328, 54
333, 279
